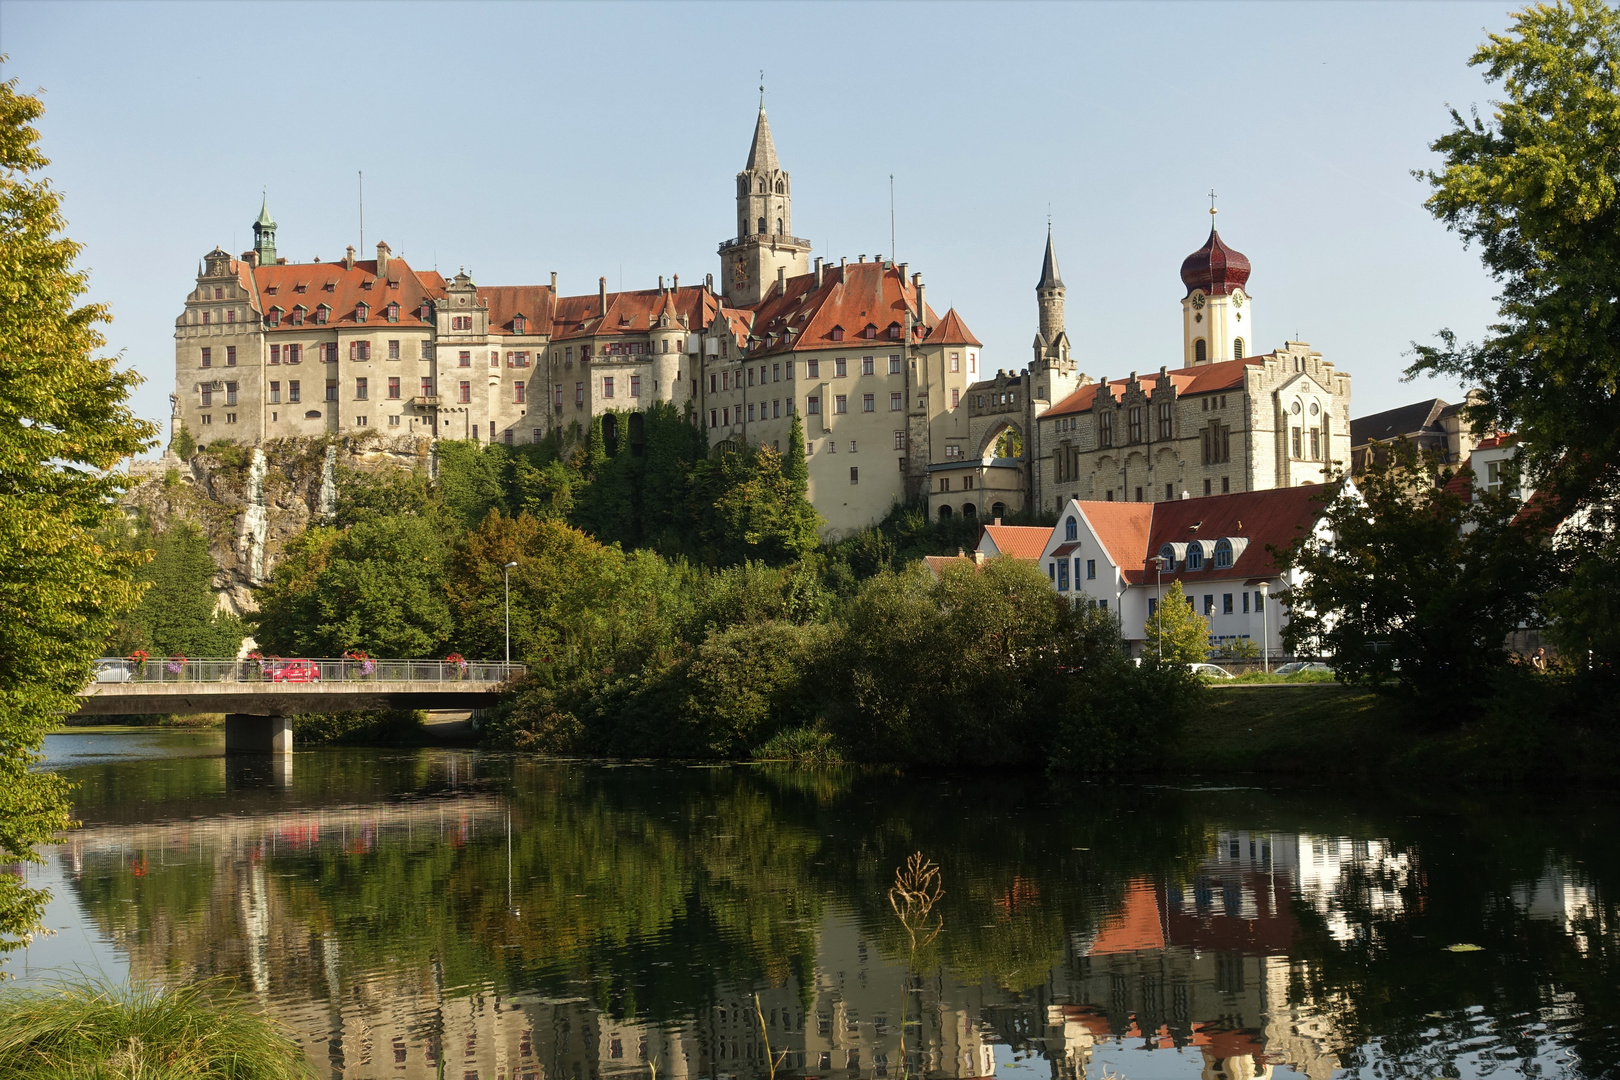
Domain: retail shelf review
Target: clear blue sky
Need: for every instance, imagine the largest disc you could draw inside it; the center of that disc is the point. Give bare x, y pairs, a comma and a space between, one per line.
603, 139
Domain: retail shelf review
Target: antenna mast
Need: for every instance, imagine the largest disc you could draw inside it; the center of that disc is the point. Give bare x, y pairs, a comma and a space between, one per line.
892, 255
362, 214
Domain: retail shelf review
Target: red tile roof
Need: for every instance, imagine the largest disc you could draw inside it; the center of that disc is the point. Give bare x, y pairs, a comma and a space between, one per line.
853, 297
1019, 541
1135, 926
404, 286
1204, 379
629, 312
506, 302
1122, 529
1275, 517
952, 331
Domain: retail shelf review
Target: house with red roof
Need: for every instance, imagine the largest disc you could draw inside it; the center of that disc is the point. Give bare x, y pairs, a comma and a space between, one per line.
1122, 556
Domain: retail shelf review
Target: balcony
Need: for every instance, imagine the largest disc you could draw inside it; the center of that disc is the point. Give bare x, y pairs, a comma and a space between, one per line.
425, 401
776, 239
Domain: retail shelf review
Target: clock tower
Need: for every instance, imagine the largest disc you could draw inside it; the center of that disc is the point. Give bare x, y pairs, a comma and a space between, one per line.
764, 241
1217, 316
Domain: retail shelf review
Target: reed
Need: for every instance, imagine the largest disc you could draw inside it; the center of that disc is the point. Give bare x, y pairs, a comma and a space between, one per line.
91, 1030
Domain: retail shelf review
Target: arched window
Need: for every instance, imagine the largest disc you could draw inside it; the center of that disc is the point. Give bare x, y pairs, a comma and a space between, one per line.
762, 226
779, 226
944, 512
1168, 554
1195, 557
1200, 351
781, 188
1071, 529
762, 185
1223, 554
969, 510
1237, 348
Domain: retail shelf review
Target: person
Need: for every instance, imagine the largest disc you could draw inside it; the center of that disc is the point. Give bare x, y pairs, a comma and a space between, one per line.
1539, 660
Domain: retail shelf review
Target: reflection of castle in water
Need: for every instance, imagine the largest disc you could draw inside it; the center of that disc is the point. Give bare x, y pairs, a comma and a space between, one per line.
1200, 968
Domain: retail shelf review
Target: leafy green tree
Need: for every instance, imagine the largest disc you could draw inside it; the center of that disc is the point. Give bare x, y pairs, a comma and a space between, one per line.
386, 493
470, 478
1418, 586
1175, 633
64, 424
177, 614
752, 508
746, 683
376, 586
1536, 187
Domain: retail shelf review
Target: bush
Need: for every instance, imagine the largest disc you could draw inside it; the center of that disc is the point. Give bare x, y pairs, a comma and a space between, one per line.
95, 1030
390, 727
1123, 716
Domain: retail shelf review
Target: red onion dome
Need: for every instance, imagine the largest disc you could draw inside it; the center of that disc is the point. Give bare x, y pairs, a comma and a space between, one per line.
1215, 268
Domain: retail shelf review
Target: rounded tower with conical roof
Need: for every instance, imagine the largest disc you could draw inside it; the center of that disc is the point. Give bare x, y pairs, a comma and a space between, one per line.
764, 240
1217, 317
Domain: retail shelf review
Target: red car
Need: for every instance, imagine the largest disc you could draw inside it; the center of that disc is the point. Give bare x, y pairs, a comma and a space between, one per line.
295, 671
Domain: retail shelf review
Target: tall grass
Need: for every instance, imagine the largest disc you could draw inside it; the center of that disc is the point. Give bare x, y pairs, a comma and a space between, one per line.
95, 1031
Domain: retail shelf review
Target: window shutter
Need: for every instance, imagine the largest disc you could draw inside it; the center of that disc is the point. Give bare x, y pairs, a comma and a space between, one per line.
354, 350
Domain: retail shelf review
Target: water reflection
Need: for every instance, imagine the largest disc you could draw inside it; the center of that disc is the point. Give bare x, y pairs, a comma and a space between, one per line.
506, 918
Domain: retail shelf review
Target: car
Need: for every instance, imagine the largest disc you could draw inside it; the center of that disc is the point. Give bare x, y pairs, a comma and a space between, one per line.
1210, 671
113, 670
1297, 667
293, 671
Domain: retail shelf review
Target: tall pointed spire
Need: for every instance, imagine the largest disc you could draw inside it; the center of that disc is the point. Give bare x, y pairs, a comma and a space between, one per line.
264, 213
1050, 278
762, 155
264, 234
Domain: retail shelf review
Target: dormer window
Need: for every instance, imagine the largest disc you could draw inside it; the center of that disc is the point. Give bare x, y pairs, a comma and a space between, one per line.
322, 313
519, 325
298, 315
331, 286
274, 317
270, 290
300, 287
393, 312
1223, 554
1167, 558
1195, 557
894, 331
837, 333
870, 332
422, 312
361, 313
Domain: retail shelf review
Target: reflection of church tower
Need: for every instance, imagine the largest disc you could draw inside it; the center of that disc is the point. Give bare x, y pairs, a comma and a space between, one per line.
765, 240
1216, 316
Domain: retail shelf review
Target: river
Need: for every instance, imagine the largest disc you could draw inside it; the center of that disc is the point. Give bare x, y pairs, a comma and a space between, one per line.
425, 913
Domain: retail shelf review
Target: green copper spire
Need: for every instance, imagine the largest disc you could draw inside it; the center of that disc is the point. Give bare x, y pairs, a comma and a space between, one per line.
264, 235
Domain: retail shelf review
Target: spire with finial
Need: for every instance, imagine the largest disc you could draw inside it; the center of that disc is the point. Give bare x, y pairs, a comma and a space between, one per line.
762, 154
264, 233
1050, 278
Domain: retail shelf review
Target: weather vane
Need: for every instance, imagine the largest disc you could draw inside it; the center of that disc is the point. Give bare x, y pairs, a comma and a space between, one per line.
1212, 202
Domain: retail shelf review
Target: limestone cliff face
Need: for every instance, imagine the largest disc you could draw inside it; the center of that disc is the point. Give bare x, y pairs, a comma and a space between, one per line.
250, 501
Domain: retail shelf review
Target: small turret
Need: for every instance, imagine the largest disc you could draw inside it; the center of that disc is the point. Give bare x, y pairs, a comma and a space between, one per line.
264, 235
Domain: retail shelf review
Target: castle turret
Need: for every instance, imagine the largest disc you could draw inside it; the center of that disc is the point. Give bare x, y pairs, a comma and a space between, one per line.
264, 236
764, 242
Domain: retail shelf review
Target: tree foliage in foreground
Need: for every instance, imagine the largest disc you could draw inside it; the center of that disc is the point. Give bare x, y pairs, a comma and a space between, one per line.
64, 424
1175, 633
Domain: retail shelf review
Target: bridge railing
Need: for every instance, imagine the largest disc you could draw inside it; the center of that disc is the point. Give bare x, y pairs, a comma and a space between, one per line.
306, 671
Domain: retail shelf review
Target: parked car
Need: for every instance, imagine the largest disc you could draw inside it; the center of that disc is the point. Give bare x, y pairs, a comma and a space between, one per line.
114, 671
1210, 671
1299, 666
293, 671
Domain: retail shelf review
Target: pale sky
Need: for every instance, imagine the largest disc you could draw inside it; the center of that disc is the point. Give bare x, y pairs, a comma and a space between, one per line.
517, 139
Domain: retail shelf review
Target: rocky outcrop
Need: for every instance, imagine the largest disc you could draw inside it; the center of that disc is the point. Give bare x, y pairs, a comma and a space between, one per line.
250, 501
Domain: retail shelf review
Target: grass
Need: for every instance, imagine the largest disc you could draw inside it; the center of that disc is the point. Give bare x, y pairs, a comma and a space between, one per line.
95, 1031
1312, 727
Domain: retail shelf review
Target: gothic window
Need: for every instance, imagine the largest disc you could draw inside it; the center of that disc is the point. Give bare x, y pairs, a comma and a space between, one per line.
1200, 351
1071, 529
781, 188
762, 186
778, 226
1237, 348
762, 226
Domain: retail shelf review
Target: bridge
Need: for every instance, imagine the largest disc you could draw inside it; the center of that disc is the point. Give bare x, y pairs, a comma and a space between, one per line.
259, 697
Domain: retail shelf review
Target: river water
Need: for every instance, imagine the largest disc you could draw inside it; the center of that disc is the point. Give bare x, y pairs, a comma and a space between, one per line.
430, 913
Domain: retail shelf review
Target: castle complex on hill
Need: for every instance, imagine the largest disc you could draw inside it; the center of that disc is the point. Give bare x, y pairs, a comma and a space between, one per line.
893, 400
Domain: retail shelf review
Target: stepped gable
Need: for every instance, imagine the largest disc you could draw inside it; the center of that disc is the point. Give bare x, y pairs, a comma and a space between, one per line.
277, 286
951, 330
802, 317
1204, 379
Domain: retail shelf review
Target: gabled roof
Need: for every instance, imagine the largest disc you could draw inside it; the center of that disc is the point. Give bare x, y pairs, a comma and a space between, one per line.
801, 316
952, 331
403, 286
628, 312
1407, 420
1276, 516
506, 302
1121, 528
1019, 541
1203, 379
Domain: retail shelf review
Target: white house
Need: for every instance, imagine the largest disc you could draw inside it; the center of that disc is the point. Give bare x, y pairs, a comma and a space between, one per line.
1122, 556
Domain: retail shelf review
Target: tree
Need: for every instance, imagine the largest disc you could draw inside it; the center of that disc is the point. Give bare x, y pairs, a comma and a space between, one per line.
1537, 188
1418, 587
177, 613
64, 424
1175, 633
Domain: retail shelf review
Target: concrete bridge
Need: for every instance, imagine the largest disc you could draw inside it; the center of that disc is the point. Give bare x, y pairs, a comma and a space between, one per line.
259, 697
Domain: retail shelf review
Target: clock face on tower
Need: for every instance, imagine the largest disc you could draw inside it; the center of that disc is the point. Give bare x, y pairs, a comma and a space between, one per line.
1237, 298
1198, 301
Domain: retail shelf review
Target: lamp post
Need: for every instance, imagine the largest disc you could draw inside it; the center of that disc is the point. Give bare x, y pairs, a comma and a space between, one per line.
1265, 627
506, 578
1158, 610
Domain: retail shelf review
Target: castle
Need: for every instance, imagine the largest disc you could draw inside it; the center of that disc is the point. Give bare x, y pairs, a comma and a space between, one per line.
892, 398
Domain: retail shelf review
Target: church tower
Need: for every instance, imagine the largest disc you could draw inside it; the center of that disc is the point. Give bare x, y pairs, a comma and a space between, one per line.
1052, 369
1217, 318
764, 239
264, 236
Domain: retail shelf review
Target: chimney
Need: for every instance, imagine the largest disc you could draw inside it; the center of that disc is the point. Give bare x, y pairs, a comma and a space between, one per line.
382, 259
554, 283
998, 521
781, 281
348, 259
903, 267
249, 257
708, 282
922, 305
660, 282
841, 262
863, 256
677, 282
601, 296
978, 556
818, 271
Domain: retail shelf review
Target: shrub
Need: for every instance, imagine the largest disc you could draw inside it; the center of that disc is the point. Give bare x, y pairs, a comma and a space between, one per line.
392, 727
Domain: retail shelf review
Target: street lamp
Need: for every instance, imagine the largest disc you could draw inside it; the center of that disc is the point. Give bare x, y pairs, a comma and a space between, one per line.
506, 577
1158, 610
1265, 627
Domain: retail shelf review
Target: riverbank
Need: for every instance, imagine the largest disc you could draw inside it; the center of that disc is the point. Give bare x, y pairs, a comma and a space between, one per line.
1330, 730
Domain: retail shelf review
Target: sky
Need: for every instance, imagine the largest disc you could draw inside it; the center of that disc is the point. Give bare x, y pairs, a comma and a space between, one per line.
604, 139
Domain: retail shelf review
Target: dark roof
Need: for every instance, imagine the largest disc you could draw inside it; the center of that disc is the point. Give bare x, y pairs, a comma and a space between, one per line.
1407, 420
1050, 277
1215, 268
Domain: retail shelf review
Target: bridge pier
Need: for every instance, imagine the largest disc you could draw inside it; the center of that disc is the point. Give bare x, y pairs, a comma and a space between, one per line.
248, 734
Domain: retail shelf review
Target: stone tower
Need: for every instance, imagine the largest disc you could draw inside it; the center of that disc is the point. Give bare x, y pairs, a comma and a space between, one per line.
1217, 318
1053, 372
764, 240
264, 236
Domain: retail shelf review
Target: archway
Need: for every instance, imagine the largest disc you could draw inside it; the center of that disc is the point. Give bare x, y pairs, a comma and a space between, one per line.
993, 441
969, 511
998, 510
944, 513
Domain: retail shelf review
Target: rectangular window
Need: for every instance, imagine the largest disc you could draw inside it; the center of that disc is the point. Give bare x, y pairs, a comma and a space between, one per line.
1316, 444
494, 361
607, 386
506, 437
1166, 419
579, 393
1091, 569
840, 368
207, 396
956, 361
750, 410
812, 405
956, 397
331, 389
1103, 604
894, 402
750, 377
1226, 484
1258, 599
868, 403
776, 373
894, 365
464, 393
866, 365
714, 417
712, 379
230, 356
1296, 441
464, 359
518, 392
205, 318
1206, 487
426, 389
292, 392
635, 386
557, 395
1245, 603
295, 353
899, 440
361, 391
1105, 428
393, 350
1153, 606
725, 416
275, 393
854, 475
1135, 420
365, 350
813, 368
393, 389
275, 354
840, 403
361, 421
1226, 604
725, 380
1209, 604
1063, 575
208, 357
427, 350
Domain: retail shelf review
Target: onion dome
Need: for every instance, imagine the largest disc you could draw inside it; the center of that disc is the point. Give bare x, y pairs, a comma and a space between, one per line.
1215, 268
